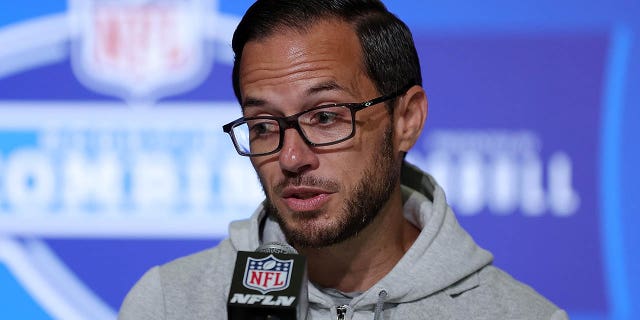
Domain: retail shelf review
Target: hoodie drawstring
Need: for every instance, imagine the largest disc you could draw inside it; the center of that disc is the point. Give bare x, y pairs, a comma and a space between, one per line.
377, 312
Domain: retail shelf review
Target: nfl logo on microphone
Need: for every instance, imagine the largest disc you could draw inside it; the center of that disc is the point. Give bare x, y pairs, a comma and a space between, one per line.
267, 274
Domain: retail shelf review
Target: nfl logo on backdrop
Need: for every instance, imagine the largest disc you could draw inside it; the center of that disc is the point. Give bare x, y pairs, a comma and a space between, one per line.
140, 50
267, 274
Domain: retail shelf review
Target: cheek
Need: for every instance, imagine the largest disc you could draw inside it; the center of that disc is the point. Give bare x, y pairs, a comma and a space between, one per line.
347, 168
259, 162
368, 145
266, 170
370, 131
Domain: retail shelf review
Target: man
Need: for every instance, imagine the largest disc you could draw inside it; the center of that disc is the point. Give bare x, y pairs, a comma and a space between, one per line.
379, 238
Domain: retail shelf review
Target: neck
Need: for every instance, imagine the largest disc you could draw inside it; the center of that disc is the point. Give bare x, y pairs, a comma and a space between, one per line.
361, 261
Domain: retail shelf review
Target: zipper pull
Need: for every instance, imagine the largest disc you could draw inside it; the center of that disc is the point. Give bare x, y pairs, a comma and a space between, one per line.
341, 311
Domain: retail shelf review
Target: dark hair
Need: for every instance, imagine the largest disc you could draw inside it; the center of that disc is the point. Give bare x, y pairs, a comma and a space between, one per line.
389, 54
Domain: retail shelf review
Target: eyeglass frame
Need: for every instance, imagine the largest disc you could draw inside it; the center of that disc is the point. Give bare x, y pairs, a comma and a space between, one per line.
291, 121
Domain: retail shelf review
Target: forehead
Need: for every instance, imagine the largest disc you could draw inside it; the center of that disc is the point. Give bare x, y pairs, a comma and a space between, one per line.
328, 50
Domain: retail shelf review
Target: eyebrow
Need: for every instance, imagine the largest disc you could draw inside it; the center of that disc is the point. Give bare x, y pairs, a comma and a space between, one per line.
253, 102
318, 88
325, 86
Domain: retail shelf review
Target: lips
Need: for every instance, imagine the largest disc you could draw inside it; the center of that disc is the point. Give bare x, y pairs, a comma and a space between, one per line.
305, 198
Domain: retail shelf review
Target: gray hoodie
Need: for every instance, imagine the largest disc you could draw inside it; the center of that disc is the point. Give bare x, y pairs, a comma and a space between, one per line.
444, 275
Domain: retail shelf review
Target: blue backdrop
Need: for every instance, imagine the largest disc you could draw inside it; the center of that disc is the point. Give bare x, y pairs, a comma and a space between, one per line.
112, 158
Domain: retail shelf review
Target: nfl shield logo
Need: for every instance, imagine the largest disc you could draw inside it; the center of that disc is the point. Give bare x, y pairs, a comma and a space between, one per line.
267, 274
141, 49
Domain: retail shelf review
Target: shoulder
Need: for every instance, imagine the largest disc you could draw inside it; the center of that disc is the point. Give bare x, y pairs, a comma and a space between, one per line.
511, 290
181, 286
187, 268
504, 297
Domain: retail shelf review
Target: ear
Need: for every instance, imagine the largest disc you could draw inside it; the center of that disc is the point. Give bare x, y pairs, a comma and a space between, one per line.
410, 115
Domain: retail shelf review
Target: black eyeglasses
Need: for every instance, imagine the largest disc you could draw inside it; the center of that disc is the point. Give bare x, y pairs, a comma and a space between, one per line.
320, 126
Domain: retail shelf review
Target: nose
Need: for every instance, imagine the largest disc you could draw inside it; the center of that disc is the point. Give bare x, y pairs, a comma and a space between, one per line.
296, 156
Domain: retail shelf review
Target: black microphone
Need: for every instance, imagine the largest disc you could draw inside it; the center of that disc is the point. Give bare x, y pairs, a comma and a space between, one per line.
269, 284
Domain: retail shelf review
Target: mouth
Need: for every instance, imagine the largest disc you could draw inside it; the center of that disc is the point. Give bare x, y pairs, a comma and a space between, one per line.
300, 199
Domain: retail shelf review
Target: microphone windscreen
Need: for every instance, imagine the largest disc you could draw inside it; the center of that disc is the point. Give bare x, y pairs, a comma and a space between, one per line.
276, 247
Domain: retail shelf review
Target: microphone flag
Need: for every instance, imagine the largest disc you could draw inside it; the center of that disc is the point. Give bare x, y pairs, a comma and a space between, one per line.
268, 285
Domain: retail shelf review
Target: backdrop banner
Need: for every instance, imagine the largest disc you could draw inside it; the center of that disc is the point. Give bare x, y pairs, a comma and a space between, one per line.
113, 159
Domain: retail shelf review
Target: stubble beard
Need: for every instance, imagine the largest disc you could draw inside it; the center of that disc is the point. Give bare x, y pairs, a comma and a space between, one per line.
361, 205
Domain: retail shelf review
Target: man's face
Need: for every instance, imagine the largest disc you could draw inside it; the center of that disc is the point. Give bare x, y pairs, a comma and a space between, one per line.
320, 195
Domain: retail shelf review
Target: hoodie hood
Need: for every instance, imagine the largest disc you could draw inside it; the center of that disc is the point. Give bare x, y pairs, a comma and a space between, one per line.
442, 257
